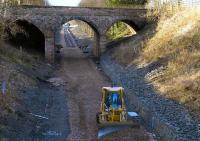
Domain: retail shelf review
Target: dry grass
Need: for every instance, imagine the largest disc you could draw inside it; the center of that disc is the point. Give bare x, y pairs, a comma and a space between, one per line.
10, 61
171, 32
177, 42
126, 52
8, 104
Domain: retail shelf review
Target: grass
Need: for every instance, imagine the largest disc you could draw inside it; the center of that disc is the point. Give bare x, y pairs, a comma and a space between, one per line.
10, 61
8, 103
21, 72
176, 43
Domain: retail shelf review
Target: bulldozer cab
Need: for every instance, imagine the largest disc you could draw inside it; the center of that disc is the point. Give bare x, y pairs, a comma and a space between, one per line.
112, 98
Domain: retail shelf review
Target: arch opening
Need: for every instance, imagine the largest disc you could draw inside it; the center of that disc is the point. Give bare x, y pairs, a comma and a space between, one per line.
77, 33
121, 29
26, 36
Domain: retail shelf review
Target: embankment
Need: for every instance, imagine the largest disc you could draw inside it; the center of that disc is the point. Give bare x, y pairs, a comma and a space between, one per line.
167, 118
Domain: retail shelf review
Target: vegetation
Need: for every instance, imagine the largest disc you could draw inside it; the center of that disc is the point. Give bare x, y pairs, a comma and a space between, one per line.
125, 3
113, 3
119, 30
1, 29
26, 2
85, 27
10, 59
177, 45
126, 52
93, 3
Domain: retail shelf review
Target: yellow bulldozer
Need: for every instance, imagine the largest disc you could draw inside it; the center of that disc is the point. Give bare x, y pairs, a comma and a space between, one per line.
113, 115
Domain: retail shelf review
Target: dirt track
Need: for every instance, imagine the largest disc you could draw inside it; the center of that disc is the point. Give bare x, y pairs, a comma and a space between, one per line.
83, 87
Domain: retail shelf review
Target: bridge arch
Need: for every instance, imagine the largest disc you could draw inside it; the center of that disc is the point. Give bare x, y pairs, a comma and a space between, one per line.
92, 26
25, 34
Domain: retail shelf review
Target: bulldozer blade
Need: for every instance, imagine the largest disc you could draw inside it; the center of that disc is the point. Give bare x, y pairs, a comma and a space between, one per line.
108, 128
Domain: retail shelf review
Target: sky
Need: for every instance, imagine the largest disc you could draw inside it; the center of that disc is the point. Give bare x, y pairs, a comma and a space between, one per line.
64, 2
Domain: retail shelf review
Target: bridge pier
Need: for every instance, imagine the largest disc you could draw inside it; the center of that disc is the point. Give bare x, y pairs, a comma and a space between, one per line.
103, 41
50, 49
100, 45
96, 48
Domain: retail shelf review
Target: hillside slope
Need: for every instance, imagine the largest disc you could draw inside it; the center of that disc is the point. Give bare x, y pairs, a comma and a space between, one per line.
174, 54
19, 77
176, 46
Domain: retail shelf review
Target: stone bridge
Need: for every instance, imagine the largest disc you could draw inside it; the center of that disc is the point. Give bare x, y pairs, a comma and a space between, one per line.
49, 20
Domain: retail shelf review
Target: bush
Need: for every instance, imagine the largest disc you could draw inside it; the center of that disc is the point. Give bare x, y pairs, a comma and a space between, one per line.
119, 30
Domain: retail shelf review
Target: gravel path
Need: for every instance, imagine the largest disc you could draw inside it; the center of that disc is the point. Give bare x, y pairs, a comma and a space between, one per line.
170, 120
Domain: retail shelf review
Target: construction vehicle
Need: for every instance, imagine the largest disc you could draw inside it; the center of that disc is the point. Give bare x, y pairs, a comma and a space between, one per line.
113, 115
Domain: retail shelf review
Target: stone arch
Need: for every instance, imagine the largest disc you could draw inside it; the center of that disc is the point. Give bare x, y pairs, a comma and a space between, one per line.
29, 37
